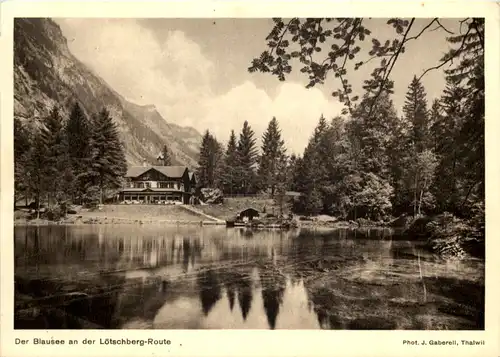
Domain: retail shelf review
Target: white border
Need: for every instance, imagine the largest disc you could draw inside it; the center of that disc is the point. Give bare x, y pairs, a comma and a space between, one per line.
257, 342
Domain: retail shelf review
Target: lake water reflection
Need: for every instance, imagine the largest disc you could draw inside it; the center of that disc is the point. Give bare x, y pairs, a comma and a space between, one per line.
167, 277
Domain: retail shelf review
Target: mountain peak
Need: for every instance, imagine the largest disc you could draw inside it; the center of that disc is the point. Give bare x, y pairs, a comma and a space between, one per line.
46, 73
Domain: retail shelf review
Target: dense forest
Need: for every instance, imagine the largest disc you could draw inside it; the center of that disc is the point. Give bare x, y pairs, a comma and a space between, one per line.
67, 160
369, 162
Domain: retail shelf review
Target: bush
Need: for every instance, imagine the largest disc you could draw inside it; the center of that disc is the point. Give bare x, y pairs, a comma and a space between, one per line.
450, 236
56, 212
418, 228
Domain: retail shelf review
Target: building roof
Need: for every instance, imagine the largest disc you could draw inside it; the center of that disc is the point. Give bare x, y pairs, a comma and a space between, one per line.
249, 210
169, 171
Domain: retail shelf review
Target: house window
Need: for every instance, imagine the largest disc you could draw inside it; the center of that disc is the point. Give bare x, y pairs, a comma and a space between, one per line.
148, 184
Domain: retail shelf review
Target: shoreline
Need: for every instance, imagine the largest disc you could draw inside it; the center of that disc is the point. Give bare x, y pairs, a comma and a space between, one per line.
112, 220
107, 220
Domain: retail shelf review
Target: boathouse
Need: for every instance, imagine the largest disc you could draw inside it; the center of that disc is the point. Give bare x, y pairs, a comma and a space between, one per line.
248, 215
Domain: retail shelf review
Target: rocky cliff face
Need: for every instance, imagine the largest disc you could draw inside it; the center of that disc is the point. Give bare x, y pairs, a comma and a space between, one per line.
47, 74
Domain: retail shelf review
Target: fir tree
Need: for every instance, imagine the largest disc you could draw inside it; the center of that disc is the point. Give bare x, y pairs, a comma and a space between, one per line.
59, 165
37, 167
210, 162
273, 152
21, 150
311, 171
78, 134
411, 139
282, 183
247, 159
373, 126
469, 75
416, 114
231, 172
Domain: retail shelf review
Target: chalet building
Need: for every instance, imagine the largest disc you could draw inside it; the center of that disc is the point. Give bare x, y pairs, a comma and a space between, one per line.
157, 185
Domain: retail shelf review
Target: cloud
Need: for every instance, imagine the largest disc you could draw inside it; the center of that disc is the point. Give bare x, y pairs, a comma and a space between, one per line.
132, 60
177, 78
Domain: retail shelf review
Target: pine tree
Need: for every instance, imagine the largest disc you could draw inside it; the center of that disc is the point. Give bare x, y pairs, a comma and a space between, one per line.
108, 158
445, 120
21, 149
371, 138
273, 152
37, 167
282, 183
60, 171
210, 162
311, 172
247, 159
165, 158
469, 75
203, 170
415, 139
231, 172
78, 134
372, 134
416, 114
218, 163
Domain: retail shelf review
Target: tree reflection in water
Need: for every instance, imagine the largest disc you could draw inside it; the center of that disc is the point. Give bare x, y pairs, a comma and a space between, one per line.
346, 279
273, 286
244, 286
210, 291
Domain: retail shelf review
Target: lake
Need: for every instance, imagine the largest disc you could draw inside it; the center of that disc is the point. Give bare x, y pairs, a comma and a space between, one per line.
190, 277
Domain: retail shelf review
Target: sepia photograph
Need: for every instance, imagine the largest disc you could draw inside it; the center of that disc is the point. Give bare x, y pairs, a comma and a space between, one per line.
249, 173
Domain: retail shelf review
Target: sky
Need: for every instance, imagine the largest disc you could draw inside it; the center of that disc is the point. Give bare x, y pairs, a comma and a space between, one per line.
195, 72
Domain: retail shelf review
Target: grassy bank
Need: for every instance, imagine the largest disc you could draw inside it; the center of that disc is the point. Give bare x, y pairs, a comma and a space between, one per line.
142, 214
119, 214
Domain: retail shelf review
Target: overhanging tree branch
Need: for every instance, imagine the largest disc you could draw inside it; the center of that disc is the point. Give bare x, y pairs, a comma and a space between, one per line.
449, 60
